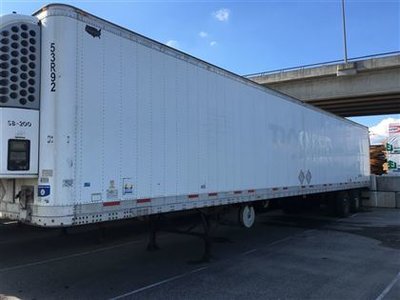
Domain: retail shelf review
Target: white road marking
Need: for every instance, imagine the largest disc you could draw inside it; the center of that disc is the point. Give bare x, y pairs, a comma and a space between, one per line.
389, 287
249, 252
274, 243
9, 223
55, 259
282, 240
159, 283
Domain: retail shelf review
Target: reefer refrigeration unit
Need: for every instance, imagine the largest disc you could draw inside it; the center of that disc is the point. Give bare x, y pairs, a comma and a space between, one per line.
99, 123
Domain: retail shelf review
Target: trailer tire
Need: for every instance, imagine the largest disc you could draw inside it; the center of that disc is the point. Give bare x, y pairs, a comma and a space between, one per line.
343, 204
355, 201
247, 216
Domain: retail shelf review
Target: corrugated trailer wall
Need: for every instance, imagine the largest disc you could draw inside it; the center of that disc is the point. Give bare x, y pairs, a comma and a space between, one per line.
134, 119
173, 128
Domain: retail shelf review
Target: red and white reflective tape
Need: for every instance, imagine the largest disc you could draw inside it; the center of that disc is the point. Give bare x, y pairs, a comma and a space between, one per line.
145, 200
111, 203
237, 192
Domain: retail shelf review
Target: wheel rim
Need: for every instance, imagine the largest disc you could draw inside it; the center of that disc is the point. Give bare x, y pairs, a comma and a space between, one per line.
247, 216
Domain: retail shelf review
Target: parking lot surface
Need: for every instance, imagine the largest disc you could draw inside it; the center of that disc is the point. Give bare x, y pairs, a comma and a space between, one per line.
304, 256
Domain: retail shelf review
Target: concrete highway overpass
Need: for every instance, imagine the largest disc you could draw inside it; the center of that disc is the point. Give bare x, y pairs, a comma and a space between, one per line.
364, 86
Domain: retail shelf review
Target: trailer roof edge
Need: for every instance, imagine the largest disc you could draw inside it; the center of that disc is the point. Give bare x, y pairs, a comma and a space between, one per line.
207, 64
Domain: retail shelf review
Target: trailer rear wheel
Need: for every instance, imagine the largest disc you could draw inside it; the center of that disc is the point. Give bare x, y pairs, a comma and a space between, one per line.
355, 201
247, 216
343, 204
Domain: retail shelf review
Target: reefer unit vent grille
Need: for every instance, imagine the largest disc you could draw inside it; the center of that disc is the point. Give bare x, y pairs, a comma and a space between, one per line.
20, 65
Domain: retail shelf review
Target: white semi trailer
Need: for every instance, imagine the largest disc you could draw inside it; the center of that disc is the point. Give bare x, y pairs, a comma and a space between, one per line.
98, 123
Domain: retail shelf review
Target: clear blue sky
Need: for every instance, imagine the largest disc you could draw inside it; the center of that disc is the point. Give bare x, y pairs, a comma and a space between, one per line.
252, 36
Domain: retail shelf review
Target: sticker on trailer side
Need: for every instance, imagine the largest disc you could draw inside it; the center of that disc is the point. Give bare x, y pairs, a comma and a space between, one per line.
112, 192
47, 173
127, 186
43, 190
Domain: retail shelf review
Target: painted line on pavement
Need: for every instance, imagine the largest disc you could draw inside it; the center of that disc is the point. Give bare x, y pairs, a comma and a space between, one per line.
389, 287
159, 283
9, 222
249, 252
55, 259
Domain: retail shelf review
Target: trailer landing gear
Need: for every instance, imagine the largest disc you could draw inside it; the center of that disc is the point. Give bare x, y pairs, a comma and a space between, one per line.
205, 235
206, 238
153, 224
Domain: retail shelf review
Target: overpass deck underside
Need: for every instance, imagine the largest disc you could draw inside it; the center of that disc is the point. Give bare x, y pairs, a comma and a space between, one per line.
365, 105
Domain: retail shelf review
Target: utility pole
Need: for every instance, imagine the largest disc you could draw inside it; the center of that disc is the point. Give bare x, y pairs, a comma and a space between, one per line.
344, 32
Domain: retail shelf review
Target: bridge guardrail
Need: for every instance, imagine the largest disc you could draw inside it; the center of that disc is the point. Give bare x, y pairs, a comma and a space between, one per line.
353, 59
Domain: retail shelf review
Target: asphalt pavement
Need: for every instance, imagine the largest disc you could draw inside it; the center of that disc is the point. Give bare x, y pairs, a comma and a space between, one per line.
305, 256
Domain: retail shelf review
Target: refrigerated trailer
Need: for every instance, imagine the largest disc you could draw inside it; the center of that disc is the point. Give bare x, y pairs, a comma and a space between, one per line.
99, 123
